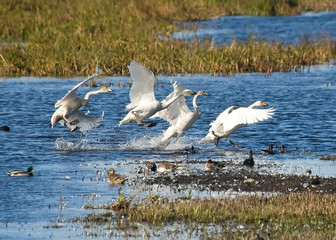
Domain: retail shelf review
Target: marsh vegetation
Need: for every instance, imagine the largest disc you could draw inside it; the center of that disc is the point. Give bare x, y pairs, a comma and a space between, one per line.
68, 38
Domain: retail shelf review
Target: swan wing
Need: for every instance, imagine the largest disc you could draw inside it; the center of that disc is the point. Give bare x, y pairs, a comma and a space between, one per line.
236, 117
72, 93
86, 122
143, 85
178, 109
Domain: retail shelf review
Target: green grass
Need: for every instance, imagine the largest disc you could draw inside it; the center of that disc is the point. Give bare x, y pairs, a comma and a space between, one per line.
66, 38
296, 216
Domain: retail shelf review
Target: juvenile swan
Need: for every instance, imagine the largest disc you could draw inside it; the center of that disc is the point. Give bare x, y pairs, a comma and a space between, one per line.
68, 114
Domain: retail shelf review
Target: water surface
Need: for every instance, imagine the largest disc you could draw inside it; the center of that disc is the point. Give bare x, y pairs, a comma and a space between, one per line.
287, 29
72, 166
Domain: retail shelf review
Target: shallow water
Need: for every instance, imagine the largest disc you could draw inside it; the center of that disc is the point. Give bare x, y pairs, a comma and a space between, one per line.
289, 30
71, 166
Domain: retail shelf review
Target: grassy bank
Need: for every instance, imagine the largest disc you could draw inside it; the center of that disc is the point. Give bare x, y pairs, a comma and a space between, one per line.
67, 38
295, 216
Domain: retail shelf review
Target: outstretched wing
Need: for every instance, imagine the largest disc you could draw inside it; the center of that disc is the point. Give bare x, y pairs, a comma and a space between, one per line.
143, 85
86, 122
178, 109
235, 117
72, 93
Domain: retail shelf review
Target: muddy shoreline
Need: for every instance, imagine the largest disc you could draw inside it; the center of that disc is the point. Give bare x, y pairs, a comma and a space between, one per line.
247, 180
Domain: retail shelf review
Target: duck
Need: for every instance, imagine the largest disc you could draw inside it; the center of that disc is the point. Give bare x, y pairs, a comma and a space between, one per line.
316, 181
212, 165
308, 172
233, 118
4, 128
150, 166
282, 149
165, 167
114, 178
269, 150
21, 173
249, 162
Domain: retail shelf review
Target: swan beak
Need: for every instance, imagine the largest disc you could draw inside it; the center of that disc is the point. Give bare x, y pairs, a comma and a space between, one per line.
264, 104
192, 93
207, 94
109, 90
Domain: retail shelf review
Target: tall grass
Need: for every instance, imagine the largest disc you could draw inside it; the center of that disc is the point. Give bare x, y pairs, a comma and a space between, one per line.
291, 216
69, 37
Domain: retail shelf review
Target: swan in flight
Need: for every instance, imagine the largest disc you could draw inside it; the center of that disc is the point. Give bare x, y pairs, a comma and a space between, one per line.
178, 114
68, 114
143, 103
234, 118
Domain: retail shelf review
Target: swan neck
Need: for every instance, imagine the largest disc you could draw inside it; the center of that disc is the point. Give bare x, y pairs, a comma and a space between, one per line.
195, 104
89, 94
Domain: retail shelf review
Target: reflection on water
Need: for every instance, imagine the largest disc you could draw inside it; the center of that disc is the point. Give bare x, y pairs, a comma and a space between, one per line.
289, 30
71, 165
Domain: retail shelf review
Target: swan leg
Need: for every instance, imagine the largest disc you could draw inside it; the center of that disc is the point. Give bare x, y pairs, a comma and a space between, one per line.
74, 129
216, 140
236, 146
151, 124
137, 119
74, 122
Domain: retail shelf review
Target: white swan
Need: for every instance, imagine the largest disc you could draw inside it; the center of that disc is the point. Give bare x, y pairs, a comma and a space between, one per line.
234, 118
67, 108
143, 103
178, 113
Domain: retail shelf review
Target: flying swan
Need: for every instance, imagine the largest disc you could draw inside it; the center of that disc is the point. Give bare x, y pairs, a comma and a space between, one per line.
143, 103
178, 114
234, 118
68, 114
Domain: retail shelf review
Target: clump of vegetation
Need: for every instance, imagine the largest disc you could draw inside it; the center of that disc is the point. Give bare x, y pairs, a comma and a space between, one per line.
307, 215
66, 38
328, 157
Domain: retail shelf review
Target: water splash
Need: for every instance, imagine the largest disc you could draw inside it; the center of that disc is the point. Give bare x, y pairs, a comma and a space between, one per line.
63, 145
154, 143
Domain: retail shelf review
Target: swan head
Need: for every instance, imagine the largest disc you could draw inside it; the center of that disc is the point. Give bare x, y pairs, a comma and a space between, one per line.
187, 92
105, 89
202, 93
258, 104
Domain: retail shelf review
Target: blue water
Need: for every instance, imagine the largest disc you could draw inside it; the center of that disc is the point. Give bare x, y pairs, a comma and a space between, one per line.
71, 166
288, 30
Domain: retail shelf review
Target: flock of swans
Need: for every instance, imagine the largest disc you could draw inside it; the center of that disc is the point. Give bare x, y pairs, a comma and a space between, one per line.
172, 109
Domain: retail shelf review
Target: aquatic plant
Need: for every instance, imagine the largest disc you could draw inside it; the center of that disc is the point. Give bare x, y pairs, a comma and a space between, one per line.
62, 38
276, 216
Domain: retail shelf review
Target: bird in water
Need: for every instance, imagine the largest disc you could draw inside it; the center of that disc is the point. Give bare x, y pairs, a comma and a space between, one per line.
150, 166
21, 173
212, 165
114, 178
4, 128
234, 118
269, 150
282, 149
178, 114
143, 102
68, 114
165, 167
249, 162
